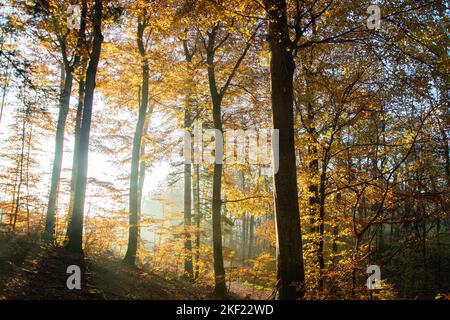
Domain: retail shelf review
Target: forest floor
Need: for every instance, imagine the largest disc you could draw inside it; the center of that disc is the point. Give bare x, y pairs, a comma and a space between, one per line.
34, 271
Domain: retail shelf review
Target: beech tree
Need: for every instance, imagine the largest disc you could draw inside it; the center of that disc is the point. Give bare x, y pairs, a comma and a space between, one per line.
361, 170
77, 214
130, 256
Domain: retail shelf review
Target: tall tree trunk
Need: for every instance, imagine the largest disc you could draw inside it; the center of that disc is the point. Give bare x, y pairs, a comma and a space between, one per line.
27, 177
313, 186
20, 170
334, 248
14, 195
188, 267
220, 287
289, 236
216, 97
76, 231
64, 102
322, 197
244, 236
219, 269
142, 168
78, 119
130, 256
251, 236
198, 219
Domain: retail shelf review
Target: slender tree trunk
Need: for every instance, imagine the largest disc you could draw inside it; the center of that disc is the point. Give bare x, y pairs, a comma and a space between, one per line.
216, 97
336, 229
20, 182
27, 177
198, 219
141, 179
78, 119
244, 236
313, 188
130, 256
13, 202
188, 267
244, 244
251, 236
322, 195
64, 102
289, 236
219, 270
313, 153
76, 231
142, 168
220, 287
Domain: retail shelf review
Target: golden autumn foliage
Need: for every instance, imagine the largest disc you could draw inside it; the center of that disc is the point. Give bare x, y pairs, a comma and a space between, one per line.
370, 149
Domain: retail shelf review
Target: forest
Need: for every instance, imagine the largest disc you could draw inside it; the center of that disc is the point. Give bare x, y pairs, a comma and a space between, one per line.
212, 149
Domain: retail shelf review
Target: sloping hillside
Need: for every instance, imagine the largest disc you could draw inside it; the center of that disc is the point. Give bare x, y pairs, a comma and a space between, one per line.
29, 270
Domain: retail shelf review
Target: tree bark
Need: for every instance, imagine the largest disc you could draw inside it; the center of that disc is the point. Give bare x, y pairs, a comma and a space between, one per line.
216, 98
142, 168
198, 219
251, 237
188, 266
20, 170
244, 237
130, 256
64, 102
77, 215
219, 271
78, 119
322, 197
27, 177
289, 236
